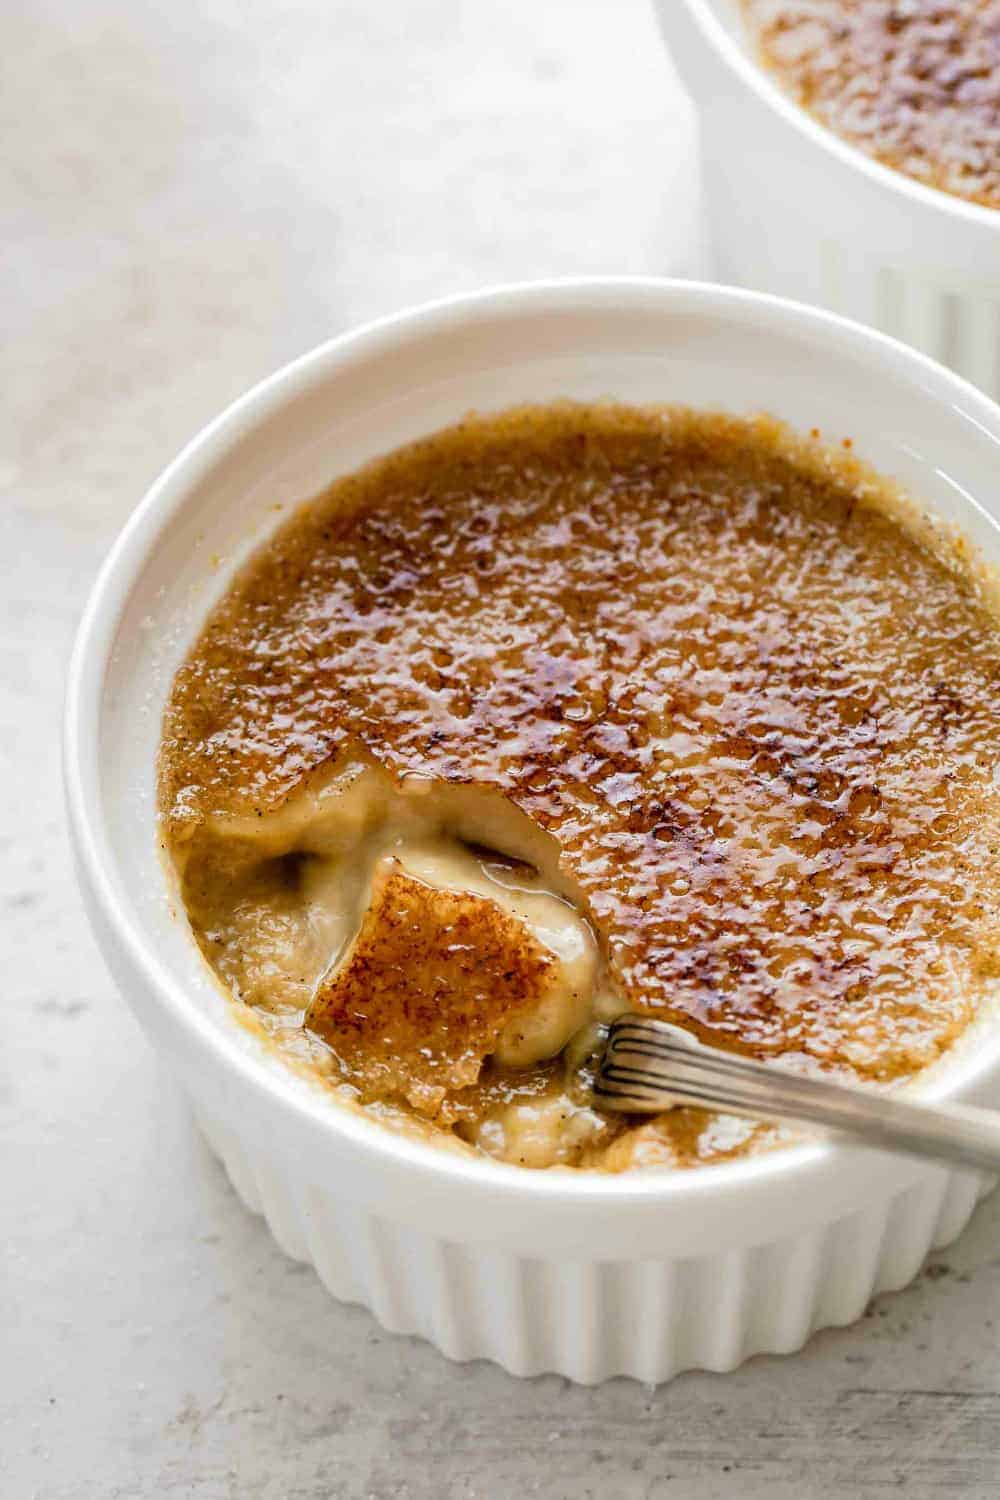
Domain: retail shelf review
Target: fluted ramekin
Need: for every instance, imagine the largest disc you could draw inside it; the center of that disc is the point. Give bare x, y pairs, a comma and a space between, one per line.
641, 1274
795, 209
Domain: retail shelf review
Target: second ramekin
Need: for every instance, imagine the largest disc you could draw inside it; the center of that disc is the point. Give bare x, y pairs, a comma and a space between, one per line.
642, 1274
796, 210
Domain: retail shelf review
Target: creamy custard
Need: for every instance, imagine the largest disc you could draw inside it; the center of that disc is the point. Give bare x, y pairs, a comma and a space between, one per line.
582, 709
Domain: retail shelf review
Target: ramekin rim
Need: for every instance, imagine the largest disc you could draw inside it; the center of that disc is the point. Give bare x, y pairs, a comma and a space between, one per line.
97, 632
754, 76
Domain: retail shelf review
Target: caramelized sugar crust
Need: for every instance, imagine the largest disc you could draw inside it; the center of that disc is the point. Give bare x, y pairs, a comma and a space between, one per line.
426, 988
915, 83
752, 702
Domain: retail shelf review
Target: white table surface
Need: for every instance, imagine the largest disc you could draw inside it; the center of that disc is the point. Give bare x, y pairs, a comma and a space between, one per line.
192, 194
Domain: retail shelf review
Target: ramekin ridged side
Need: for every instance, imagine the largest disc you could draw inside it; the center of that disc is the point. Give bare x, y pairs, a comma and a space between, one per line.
795, 210
591, 1320
590, 1275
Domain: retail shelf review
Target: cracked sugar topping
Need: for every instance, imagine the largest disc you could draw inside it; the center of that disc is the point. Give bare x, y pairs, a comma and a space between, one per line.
750, 697
911, 82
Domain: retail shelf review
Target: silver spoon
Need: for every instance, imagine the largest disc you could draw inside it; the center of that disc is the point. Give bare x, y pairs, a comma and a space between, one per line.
648, 1066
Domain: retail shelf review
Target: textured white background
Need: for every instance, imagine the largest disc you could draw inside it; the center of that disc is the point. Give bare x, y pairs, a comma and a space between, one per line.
192, 194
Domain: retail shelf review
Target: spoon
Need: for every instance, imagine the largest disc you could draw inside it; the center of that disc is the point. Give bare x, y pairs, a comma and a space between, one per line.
649, 1066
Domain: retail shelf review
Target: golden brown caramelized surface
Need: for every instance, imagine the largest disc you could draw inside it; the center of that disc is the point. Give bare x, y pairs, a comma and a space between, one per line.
914, 83
751, 701
423, 994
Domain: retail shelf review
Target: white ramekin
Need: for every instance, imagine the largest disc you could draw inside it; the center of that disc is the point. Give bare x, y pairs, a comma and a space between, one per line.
794, 209
588, 1275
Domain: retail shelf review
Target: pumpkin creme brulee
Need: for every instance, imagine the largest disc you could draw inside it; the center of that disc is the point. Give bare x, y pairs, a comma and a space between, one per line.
581, 709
